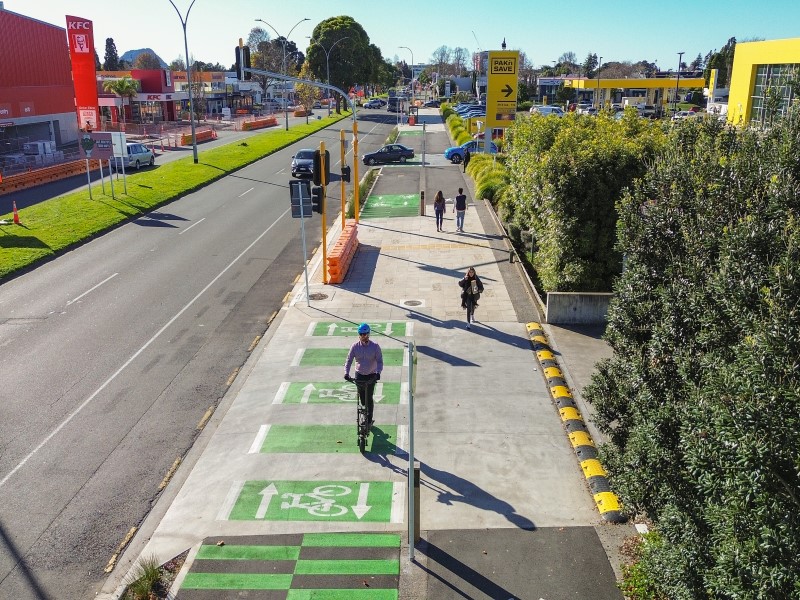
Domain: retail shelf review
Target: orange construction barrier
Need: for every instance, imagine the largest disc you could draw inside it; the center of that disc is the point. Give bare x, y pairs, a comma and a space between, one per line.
341, 255
259, 123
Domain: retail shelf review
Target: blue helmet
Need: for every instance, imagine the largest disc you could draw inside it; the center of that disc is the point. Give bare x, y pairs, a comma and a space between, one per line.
363, 328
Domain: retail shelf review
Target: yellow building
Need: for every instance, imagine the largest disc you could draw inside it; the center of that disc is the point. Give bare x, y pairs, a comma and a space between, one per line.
763, 71
654, 90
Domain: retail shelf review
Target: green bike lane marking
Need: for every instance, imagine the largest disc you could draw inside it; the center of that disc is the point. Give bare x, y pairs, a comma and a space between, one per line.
331, 501
327, 566
310, 439
391, 205
336, 357
337, 392
346, 328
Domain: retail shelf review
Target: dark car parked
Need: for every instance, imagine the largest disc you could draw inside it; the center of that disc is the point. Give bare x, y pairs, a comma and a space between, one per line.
303, 163
388, 154
431, 104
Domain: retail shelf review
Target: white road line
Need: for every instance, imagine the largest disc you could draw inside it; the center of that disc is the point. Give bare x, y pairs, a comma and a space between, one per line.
398, 504
403, 393
402, 438
136, 354
281, 393
92, 289
255, 447
230, 500
298, 356
310, 329
190, 226
247, 192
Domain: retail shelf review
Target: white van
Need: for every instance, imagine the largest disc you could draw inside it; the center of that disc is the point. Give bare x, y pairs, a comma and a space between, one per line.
547, 110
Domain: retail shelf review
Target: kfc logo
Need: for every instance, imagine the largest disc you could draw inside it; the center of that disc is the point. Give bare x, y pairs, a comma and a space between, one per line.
80, 25
80, 43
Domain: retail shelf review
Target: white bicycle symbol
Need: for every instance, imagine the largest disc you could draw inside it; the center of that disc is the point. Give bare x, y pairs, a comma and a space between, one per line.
345, 393
322, 502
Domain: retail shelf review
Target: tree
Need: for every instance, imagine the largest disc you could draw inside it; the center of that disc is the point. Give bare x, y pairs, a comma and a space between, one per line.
146, 60
111, 58
307, 94
177, 65
126, 87
97, 65
589, 65
705, 332
441, 58
460, 58
353, 62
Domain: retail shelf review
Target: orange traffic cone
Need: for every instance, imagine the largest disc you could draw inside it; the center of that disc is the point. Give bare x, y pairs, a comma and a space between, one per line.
16, 216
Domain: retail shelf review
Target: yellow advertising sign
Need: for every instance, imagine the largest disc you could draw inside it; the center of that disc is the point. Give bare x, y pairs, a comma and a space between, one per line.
501, 89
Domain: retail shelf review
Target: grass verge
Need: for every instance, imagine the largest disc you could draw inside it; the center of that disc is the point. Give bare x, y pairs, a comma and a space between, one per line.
55, 225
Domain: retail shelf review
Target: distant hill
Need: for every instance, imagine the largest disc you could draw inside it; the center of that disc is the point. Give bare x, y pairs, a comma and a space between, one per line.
131, 56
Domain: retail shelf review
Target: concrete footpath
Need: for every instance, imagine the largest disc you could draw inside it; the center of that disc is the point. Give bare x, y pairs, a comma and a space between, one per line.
279, 503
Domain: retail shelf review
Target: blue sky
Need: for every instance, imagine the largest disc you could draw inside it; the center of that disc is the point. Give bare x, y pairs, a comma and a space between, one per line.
620, 31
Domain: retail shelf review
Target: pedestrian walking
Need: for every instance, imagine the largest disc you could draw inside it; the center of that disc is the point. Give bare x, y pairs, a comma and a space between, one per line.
472, 288
467, 156
460, 208
438, 209
369, 364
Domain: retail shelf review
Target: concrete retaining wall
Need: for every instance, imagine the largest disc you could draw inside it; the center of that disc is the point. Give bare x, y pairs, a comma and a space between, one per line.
571, 308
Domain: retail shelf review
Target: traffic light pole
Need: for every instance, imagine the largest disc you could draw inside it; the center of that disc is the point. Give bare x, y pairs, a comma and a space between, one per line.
324, 180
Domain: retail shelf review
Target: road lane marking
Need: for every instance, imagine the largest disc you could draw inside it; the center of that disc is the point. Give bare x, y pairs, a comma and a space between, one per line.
92, 289
190, 226
136, 354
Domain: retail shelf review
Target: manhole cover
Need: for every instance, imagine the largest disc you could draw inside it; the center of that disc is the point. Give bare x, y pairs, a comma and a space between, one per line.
412, 302
317, 296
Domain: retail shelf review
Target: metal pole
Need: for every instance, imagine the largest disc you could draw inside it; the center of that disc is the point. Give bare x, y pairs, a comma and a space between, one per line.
325, 168
303, 235
343, 164
680, 56
411, 507
188, 74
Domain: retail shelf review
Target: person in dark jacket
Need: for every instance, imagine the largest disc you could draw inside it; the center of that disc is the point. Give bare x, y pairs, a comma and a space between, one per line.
472, 287
467, 156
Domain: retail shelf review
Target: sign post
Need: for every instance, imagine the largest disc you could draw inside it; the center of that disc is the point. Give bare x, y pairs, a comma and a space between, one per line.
501, 91
300, 194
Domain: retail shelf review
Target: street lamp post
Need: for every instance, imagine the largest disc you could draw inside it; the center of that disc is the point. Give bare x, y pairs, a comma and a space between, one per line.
283, 43
412, 68
188, 74
328, 65
677, 82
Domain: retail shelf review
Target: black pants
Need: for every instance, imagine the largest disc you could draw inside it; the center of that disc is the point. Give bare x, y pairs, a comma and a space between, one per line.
366, 389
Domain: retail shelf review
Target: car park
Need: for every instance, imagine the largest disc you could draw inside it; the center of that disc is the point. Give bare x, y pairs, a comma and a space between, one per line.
547, 110
137, 155
456, 154
432, 104
683, 115
388, 154
303, 163
646, 110
582, 107
373, 103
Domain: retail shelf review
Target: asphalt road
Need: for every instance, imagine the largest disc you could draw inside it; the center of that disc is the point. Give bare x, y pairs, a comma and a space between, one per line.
113, 354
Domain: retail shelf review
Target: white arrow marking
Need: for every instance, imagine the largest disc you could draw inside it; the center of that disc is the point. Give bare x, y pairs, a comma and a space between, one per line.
378, 395
307, 390
389, 328
331, 328
267, 494
360, 509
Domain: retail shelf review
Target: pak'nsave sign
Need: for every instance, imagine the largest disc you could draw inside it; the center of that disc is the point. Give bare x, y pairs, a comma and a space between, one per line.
502, 88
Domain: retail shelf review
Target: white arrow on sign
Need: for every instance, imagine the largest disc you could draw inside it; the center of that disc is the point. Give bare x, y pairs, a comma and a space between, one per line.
266, 497
332, 328
360, 509
307, 391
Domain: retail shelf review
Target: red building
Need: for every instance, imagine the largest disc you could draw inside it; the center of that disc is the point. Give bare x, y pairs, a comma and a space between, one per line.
37, 99
157, 100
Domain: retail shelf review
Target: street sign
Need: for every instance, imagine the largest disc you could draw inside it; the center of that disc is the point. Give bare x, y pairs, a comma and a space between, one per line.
300, 194
502, 89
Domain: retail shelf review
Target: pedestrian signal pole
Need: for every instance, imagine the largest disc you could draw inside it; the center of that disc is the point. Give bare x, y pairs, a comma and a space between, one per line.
345, 169
355, 168
324, 179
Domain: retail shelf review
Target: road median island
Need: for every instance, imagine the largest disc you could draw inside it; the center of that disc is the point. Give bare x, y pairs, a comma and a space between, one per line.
53, 226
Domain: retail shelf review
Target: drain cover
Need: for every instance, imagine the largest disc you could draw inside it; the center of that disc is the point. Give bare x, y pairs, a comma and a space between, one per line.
412, 302
317, 296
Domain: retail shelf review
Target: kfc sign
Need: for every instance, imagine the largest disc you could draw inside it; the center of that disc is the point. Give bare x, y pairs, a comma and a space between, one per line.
85, 25
84, 77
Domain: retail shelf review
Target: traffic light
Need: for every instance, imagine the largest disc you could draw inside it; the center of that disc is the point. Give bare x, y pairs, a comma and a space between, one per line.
242, 62
317, 199
346, 174
322, 176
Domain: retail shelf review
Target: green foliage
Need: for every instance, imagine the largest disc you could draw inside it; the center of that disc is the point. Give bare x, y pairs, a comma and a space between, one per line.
700, 396
567, 175
490, 175
144, 580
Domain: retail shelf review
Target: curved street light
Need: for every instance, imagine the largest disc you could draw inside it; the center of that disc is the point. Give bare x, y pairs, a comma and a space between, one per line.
283, 40
327, 64
412, 68
188, 73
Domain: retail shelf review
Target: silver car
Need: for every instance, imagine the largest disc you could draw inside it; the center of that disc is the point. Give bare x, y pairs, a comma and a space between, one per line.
137, 156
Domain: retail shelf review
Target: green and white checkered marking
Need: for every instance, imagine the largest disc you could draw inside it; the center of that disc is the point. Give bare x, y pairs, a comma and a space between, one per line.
333, 501
336, 357
348, 329
337, 392
309, 439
